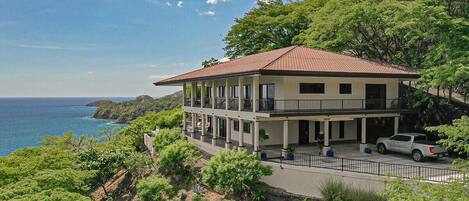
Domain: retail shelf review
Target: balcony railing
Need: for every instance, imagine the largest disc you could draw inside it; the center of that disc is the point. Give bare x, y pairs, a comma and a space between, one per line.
197, 102
220, 103
246, 104
187, 102
233, 104
208, 102
291, 105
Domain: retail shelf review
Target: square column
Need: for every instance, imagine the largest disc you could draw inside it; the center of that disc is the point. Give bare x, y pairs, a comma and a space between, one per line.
193, 91
255, 131
396, 125
285, 139
184, 91
194, 124
184, 121
202, 133
202, 94
214, 130
227, 94
255, 93
363, 144
228, 133
241, 93
241, 135
326, 147
213, 95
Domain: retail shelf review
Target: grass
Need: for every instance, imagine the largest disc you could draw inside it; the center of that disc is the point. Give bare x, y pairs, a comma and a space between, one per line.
333, 190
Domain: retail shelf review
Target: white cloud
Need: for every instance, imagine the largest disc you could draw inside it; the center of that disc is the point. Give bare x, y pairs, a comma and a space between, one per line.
213, 2
180, 4
91, 72
52, 46
168, 3
207, 13
150, 65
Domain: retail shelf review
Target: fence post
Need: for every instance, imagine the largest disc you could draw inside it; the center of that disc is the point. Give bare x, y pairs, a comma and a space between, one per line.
419, 172
310, 156
342, 164
379, 168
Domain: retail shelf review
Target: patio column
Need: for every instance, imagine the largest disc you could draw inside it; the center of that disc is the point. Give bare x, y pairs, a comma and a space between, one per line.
396, 125
227, 93
241, 93
193, 91
285, 139
215, 130
255, 131
184, 90
202, 94
228, 133
255, 92
241, 135
326, 138
194, 124
184, 119
213, 94
363, 144
202, 133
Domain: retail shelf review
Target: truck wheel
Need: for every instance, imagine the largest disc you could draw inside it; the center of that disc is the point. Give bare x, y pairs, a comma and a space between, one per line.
382, 149
417, 156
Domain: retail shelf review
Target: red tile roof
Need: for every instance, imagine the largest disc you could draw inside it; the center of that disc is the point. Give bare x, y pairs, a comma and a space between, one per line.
295, 60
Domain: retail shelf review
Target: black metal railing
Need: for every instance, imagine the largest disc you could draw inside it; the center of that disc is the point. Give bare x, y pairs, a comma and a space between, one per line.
233, 103
187, 101
208, 102
220, 103
368, 167
246, 104
286, 105
197, 102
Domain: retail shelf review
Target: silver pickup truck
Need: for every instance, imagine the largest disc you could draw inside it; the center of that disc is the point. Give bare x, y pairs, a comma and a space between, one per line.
411, 143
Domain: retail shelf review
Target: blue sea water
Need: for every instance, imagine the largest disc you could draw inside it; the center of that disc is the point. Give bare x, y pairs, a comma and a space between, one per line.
25, 121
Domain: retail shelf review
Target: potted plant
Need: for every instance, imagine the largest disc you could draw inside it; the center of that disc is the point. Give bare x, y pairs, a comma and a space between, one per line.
290, 153
263, 136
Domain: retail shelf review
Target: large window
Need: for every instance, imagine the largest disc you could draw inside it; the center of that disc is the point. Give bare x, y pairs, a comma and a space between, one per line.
311, 88
247, 127
345, 88
208, 92
221, 91
267, 91
234, 91
247, 92
236, 125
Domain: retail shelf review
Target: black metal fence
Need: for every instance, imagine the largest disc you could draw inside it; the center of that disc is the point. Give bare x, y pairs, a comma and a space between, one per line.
368, 167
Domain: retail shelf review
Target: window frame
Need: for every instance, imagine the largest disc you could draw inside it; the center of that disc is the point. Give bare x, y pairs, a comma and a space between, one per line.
312, 90
347, 90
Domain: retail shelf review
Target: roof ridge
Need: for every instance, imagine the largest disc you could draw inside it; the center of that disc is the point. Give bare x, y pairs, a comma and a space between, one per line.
273, 61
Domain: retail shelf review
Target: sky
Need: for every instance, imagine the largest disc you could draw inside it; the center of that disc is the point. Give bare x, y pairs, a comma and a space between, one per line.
107, 48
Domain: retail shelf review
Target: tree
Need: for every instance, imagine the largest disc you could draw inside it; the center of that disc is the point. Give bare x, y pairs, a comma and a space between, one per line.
169, 119
154, 188
233, 171
210, 62
179, 160
166, 137
455, 136
269, 26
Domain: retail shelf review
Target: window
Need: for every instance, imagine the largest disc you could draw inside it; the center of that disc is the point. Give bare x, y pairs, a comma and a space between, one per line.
267, 91
221, 91
402, 138
311, 88
247, 127
234, 91
247, 92
345, 88
208, 92
236, 125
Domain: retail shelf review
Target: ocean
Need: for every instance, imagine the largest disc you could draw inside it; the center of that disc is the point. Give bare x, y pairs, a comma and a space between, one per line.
25, 121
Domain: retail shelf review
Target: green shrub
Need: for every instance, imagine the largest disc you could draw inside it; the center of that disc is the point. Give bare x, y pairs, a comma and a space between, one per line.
166, 137
233, 171
333, 190
259, 194
154, 188
169, 119
179, 160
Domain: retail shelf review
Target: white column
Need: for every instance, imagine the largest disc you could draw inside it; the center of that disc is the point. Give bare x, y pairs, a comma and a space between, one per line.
241, 93
255, 92
227, 94
193, 91
202, 94
363, 144
184, 121
255, 130
215, 130
396, 125
285, 138
194, 124
241, 135
213, 94
184, 94
326, 138
228, 133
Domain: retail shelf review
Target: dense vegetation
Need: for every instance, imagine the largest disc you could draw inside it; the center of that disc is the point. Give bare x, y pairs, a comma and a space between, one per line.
430, 35
127, 111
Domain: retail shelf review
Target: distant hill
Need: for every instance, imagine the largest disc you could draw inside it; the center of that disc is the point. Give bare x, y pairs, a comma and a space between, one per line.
129, 110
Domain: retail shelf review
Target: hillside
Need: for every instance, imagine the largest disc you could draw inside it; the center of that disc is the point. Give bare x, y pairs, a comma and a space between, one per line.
130, 110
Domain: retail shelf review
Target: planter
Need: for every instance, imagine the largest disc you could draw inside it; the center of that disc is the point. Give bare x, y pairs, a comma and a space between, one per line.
263, 156
290, 156
330, 153
367, 150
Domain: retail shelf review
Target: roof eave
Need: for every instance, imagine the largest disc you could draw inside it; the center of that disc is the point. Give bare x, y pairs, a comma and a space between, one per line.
338, 74
171, 82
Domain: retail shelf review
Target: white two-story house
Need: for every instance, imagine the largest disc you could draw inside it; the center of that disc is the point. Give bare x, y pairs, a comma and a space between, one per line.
293, 94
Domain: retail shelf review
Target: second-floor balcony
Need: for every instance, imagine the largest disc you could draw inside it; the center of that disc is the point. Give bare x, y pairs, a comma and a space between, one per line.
325, 105
220, 103
233, 103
